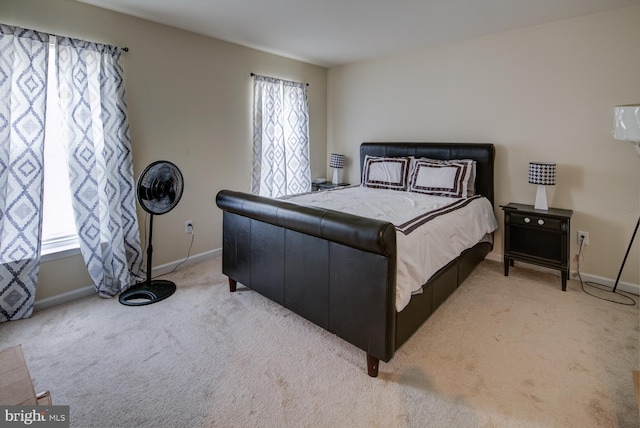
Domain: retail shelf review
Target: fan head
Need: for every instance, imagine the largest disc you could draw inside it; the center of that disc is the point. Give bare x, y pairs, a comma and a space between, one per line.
160, 187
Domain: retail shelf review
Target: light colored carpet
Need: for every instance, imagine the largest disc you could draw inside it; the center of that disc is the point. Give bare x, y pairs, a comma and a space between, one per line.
501, 352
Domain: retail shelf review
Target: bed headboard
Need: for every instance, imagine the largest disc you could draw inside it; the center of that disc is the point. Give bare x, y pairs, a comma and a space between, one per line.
483, 154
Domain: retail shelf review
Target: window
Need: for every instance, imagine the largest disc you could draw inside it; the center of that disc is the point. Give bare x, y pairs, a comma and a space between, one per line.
280, 138
58, 225
95, 127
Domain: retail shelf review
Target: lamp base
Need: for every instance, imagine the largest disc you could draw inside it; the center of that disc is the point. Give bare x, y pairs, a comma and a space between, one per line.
337, 176
541, 198
615, 286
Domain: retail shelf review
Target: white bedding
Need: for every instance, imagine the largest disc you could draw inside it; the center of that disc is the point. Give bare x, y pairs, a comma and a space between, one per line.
422, 249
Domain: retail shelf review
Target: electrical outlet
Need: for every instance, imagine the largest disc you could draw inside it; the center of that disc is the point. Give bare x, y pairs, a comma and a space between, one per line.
583, 235
188, 226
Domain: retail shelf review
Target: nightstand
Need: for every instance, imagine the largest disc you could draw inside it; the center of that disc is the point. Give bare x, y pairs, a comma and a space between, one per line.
537, 237
326, 186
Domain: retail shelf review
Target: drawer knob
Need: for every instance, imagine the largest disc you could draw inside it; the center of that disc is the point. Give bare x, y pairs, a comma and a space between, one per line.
527, 220
540, 222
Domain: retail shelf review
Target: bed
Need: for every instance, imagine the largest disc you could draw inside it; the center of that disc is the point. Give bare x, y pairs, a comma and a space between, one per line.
338, 270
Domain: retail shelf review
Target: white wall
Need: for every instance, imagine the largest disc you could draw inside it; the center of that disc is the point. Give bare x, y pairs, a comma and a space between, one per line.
190, 102
543, 93
539, 94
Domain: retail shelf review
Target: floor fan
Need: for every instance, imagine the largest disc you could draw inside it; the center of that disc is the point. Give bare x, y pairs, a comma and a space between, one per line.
158, 191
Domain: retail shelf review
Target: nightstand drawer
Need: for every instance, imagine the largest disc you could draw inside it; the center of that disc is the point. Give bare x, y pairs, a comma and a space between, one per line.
536, 221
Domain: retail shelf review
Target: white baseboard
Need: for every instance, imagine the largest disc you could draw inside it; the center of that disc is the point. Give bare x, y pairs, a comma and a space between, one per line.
89, 290
59, 299
609, 282
196, 258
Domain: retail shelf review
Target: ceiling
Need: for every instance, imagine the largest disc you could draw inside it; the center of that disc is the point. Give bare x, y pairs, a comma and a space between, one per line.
335, 32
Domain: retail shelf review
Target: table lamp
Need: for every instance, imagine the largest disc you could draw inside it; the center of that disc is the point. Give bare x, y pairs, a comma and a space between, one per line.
542, 174
337, 163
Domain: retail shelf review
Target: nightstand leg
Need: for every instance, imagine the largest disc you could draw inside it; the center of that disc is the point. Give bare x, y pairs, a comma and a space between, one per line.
506, 263
565, 275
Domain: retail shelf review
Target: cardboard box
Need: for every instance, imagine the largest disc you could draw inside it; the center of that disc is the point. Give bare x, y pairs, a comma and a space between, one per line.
16, 387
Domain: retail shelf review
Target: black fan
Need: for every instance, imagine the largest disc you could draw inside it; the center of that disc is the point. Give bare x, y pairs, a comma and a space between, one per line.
158, 190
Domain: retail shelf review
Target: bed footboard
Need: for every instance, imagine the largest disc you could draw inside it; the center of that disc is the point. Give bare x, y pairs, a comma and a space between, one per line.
336, 270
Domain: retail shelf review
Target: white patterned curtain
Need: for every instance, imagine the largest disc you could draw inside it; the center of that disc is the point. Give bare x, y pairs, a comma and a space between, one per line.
91, 88
23, 80
280, 138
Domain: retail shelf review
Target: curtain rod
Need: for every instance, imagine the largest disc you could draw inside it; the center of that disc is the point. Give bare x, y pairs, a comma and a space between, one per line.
253, 74
125, 48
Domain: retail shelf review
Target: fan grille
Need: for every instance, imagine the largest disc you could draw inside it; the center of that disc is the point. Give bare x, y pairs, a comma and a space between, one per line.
160, 187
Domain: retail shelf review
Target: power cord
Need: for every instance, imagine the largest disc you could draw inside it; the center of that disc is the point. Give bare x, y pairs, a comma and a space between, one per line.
193, 234
630, 301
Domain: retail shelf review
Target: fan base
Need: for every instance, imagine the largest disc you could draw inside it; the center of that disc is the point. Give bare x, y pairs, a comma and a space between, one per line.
145, 293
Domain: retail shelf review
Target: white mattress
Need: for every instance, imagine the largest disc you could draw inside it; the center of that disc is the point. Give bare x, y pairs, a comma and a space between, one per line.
426, 240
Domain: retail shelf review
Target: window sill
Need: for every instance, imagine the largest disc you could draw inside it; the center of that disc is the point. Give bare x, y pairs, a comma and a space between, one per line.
59, 250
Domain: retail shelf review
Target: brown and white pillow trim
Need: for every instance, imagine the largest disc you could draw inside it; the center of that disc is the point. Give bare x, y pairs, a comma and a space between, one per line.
440, 179
386, 173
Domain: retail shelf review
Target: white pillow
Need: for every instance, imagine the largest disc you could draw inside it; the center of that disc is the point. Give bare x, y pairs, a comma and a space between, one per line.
448, 179
471, 184
386, 173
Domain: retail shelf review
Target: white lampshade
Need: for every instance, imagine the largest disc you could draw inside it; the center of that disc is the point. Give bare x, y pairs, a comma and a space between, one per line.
626, 123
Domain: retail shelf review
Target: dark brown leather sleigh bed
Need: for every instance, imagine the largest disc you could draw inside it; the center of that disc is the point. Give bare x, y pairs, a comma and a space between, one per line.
338, 270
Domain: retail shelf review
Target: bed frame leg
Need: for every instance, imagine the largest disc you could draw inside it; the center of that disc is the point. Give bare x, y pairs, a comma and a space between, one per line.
372, 365
232, 284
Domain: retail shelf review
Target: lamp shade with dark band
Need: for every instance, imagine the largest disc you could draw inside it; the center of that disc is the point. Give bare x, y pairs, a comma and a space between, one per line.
542, 173
336, 161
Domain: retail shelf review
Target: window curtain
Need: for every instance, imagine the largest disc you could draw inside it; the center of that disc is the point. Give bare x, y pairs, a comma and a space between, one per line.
91, 88
23, 80
280, 138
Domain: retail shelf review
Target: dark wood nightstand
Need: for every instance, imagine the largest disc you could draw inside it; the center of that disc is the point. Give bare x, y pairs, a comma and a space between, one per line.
326, 186
537, 237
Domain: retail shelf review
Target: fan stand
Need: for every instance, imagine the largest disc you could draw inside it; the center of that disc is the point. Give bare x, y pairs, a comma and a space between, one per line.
150, 291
